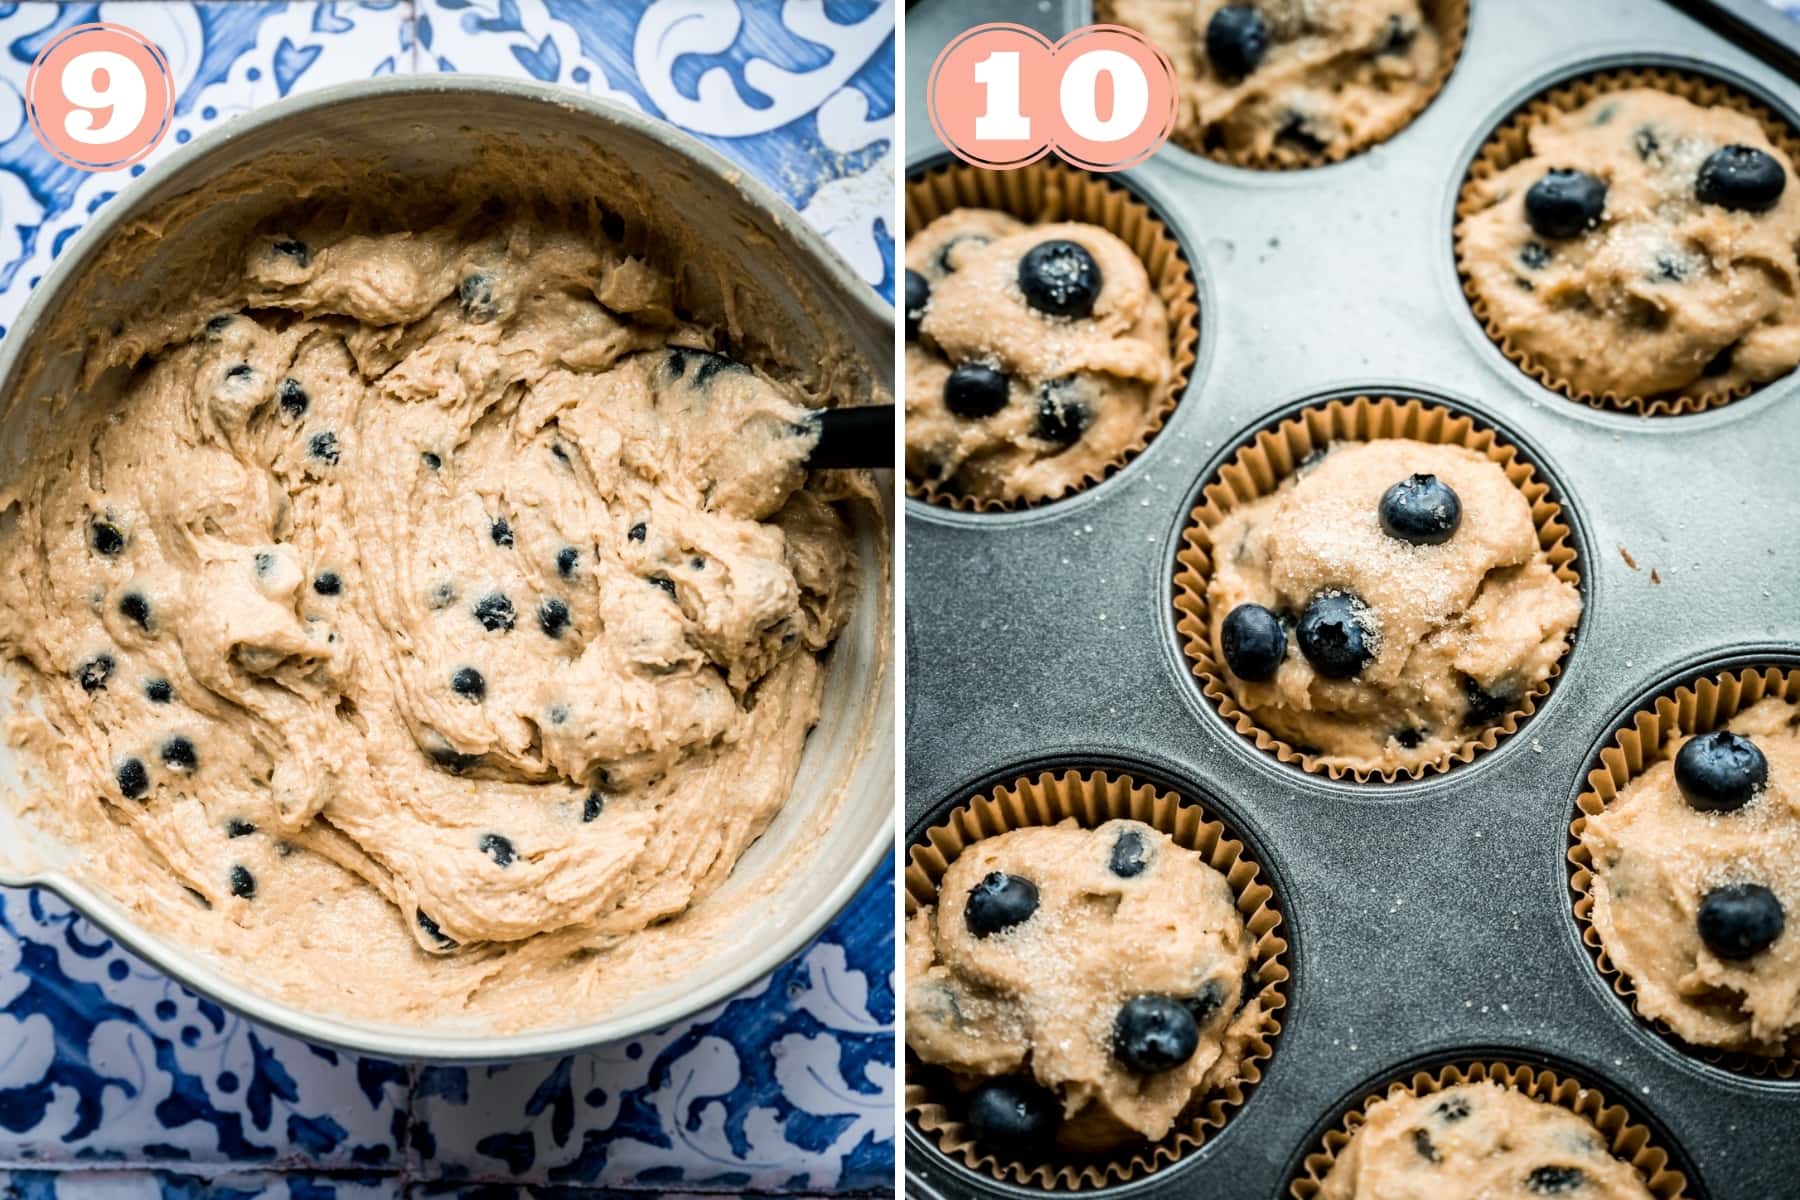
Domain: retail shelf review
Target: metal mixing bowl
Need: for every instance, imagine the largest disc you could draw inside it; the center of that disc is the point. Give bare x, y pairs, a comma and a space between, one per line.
786, 293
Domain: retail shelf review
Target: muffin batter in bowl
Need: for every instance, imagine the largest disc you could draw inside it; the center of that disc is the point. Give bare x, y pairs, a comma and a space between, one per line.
1477, 1140
434, 618
1645, 247
1386, 603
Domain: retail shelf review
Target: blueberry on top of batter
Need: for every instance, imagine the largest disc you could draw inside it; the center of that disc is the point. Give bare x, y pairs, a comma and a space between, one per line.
136, 609
243, 883
292, 397
328, 583
1237, 38
498, 848
501, 531
1013, 1112
553, 616
467, 682
1565, 203
1154, 1033
1421, 509
105, 538
566, 558
476, 295
1741, 178
179, 753
638, 532
133, 778
495, 612
1129, 855
1254, 642
975, 390
1740, 920
1060, 278
158, 691
1062, 415
1336, 635
999, 902
1720, 771
294, 249
918, 296
94, 673
324, 447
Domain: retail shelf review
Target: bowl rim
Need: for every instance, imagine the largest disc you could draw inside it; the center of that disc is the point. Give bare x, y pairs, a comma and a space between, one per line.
187, 967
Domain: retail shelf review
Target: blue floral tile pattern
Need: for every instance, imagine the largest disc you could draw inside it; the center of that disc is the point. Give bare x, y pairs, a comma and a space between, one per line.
116, 1082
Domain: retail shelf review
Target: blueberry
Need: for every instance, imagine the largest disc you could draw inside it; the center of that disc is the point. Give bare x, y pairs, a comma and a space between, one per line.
239, 371
999, 902
1740, 920
566, 558
593, 806
454, 761
219, 324
1720, 771
1421, 510
1423, 1146
1398, 36
295, 250
1554, 1181
432, 929
431, 461
1237, 37
498, 848
94, 673
1719, 363
501, 532
178, 753
942, 260
327, 583
1334, 635
1484, 706
1535, 255
1062, 416
1740, 178
263, 562
918, 296
553, 617
663, 582
1013, 1112
243, 883
1297, 131
158, 691
1565, 203
1060, 277
237, 827
974, 390
495, 612
1645, 142
1254, 642
1452, 1110
1209, 1000
638, 532
134, 608
105, 538
468, 682
1154, 1033
293, 397
476, 295
324, 447
706, 364
134, 779
1129, 855
443, 595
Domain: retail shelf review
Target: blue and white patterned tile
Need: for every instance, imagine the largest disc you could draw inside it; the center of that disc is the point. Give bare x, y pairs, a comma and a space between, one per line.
789, 1085
109, 1067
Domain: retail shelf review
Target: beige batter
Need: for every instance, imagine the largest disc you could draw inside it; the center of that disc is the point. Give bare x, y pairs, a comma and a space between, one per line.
1042, 996
1483, 608
1337, 75
1477, 1141
1110, 364
1655, 857
424, 624
1666, 294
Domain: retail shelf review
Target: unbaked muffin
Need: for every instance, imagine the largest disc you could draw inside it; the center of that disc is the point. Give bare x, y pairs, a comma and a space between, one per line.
1696, 868
1645, 247
1386, 603
1084, 987
1289, 82
1035, 355
1477, 1141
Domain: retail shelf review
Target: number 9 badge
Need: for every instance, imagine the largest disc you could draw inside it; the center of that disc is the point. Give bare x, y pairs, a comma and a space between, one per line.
100, 96
1003, 95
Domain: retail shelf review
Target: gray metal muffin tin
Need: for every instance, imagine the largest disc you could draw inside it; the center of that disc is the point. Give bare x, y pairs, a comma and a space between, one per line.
1431, 920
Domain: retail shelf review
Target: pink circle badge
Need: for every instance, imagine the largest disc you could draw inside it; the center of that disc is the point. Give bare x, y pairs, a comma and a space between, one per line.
1003, 95
100, 96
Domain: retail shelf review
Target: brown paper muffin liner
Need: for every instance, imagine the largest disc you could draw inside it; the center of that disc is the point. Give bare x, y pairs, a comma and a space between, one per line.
1449, 17
1627, 1139
1048, 191
1697, 707
1510, 143
1260, 466
1092, 798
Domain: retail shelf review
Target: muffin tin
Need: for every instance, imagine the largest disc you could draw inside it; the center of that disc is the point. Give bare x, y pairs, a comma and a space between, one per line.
1428, 921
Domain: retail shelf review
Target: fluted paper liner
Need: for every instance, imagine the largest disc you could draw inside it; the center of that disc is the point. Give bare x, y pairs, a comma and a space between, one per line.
1049, 191
1260, 466
1625, 1138
1700, 706
1510, 143
1449, 17
1092, 798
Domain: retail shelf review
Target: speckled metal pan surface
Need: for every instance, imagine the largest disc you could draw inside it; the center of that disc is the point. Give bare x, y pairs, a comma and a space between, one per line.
1428, 921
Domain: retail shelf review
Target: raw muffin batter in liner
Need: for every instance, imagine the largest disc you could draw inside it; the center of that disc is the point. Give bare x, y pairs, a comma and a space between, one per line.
1476, 1140
1021, 394
1694, 872
434, 616
1450, 634
1286, 83
1639, 248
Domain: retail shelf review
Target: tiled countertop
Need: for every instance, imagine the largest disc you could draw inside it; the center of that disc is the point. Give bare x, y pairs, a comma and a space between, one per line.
115, 1081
